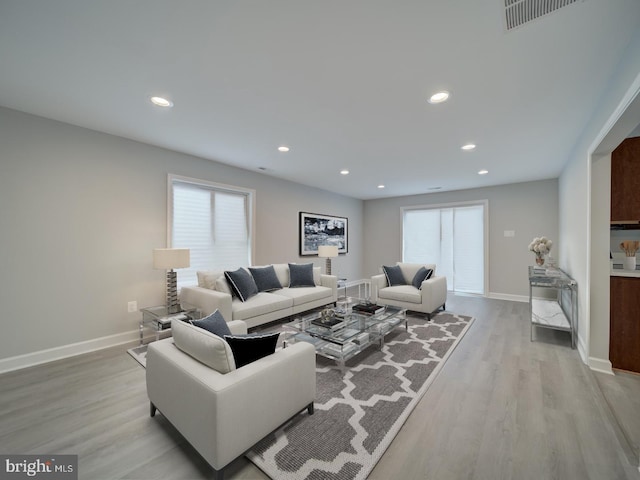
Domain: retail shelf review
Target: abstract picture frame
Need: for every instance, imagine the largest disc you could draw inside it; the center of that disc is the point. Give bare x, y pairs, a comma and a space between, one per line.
317, 229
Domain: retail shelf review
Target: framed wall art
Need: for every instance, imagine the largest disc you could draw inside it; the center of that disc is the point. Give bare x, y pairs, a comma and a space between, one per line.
317, 229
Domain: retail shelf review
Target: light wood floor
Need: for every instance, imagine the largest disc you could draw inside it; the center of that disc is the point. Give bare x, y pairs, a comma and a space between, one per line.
502, 408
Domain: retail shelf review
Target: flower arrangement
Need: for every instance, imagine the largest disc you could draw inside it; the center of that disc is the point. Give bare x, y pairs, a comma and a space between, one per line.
540, 246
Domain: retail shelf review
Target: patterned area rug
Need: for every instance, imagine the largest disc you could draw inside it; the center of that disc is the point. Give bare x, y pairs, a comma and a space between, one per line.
358, 414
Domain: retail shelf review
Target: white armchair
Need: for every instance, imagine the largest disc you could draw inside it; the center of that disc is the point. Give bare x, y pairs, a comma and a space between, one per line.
431, 295
222, 415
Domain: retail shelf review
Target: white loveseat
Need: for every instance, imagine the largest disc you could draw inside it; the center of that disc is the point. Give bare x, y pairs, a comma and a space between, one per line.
431, 295
222, 415
213, 292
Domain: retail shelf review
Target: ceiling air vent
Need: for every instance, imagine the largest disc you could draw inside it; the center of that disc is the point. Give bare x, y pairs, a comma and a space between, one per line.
519, 12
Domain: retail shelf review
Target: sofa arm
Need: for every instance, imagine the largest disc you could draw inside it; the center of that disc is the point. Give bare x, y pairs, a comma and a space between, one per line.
217, 413
237, 327
434, 292
207, 301
330, 281
377, 282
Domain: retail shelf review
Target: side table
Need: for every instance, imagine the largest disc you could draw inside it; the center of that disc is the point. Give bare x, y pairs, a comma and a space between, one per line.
158, 319
342, 283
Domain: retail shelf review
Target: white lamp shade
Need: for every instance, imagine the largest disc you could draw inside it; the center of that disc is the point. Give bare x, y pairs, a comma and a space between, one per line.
170, 258
327, 251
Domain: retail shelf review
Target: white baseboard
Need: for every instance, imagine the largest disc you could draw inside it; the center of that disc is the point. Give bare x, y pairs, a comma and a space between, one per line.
58, 353
509, 297
582, 350
600, 365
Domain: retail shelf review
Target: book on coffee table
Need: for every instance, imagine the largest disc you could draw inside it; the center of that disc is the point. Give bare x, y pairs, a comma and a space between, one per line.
367, 308
332, 322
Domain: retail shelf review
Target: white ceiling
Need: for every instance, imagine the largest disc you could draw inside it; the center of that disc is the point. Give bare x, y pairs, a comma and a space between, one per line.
343, 83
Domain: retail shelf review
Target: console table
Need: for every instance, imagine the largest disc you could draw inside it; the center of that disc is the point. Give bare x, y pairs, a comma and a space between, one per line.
559, 313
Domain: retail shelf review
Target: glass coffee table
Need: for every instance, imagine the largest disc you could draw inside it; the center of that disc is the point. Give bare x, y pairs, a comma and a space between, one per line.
351, 335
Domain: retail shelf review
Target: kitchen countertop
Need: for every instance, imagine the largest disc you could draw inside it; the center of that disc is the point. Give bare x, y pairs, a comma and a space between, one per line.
618, 271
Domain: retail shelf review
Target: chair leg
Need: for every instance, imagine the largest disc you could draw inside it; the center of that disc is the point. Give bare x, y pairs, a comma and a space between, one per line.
152, 409
310, 409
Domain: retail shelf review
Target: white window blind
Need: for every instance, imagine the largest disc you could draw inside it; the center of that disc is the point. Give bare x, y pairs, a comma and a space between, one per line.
451, 237
214, 223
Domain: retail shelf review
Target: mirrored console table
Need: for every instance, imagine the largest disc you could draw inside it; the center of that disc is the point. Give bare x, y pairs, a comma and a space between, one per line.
559, 312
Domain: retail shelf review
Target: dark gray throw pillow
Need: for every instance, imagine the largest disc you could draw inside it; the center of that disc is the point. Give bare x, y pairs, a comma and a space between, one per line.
421, 275
214, 323
242, 284
265, 278
394, 275
301, 275
251, 347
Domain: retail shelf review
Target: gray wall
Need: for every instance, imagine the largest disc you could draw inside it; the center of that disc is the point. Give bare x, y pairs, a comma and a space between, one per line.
81, 212
579, 228
530, 209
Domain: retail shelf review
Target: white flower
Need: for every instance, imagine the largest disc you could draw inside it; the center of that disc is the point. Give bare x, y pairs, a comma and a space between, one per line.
540, 246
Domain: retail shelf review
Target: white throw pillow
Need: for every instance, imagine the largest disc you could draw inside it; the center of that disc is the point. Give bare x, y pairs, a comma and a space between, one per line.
204, 346
282, 272
207, 278
222, 285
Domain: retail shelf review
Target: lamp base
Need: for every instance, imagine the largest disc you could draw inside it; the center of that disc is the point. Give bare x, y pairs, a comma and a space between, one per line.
173, 304
328, 266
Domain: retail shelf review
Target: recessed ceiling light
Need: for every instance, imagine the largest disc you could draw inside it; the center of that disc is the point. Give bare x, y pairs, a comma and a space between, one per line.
434, 188
483, 172
468, 146
439, 97
161, 102
344, 172
283, 148
380, 186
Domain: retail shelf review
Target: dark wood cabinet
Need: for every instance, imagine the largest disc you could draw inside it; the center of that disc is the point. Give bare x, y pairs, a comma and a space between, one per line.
624, 334
625, 181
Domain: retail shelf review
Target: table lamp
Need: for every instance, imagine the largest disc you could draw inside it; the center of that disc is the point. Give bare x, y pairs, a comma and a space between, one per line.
168, 259
328, 252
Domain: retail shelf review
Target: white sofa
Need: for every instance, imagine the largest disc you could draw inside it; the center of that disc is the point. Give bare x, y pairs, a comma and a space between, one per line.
223, 415
431, 295
213, 293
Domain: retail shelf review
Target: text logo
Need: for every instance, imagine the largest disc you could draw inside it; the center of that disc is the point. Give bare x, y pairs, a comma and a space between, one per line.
58, 467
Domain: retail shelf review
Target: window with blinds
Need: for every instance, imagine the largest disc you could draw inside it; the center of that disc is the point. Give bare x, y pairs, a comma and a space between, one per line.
452, 237
213, 221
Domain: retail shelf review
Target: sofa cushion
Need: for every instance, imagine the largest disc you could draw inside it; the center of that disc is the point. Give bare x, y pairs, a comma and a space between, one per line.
265, 278
204, 346
251, 347
282, 272
242, 284
222, 285
207, 278
401, 293
301, 275
214, 323
260, 304
420, 276
303, 295
394, 275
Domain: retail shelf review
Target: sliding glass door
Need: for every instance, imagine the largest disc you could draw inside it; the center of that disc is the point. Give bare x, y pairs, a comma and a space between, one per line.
451, 236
